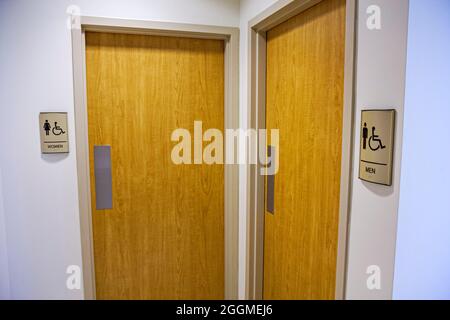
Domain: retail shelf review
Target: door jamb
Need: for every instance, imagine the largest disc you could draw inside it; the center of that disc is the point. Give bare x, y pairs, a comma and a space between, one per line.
230, 36
257, 29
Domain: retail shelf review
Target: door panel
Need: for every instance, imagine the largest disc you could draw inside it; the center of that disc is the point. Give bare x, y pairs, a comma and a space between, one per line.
164, 236
305, 80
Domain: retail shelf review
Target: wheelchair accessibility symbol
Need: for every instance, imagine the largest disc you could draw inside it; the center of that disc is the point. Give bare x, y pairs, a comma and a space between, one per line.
56, 130
373, 142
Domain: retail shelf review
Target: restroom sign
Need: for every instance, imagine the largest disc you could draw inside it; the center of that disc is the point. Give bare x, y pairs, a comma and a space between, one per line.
376, 146
54, 132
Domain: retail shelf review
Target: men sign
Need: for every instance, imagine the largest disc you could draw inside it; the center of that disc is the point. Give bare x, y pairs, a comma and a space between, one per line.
54, 133
377, 145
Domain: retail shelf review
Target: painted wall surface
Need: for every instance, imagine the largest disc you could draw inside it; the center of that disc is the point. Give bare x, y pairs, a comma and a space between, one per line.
422, 268
40, 192
380, 81
4, 273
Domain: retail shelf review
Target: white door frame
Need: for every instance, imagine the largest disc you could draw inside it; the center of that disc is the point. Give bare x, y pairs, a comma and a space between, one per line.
230, 36
281, 11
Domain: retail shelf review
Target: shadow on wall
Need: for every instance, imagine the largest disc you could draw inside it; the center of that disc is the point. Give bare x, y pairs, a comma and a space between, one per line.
54, 157
379, 190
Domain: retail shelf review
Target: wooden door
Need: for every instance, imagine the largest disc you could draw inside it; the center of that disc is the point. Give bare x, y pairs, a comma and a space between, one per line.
305, 79
164, 236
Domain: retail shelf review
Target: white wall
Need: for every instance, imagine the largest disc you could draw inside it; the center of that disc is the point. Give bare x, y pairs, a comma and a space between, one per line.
4, 273
422, 269
380, 80
40, 192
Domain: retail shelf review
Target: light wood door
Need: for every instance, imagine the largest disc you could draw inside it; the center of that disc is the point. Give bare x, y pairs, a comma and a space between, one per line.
305, 78
164, 236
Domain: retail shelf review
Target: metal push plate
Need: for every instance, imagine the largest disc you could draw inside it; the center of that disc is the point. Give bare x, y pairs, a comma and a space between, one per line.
270, 197
103, 177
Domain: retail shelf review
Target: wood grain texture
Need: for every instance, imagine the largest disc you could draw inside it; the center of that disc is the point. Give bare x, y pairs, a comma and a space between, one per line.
305, 79
164, 237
